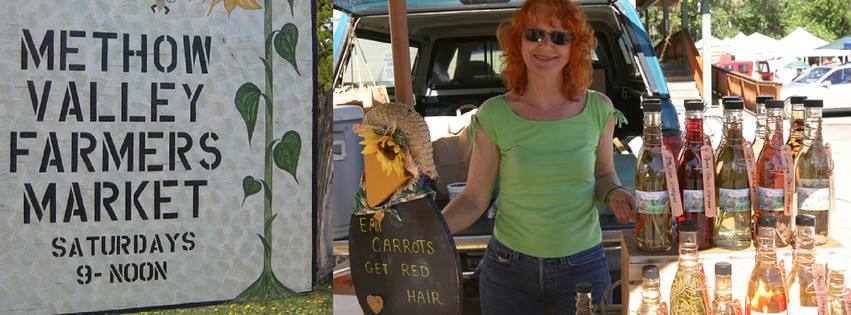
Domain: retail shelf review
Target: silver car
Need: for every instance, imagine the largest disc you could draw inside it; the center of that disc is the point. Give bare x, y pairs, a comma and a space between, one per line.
831, 83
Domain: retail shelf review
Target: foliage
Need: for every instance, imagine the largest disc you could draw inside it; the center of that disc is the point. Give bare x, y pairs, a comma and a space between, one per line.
827, 19
324, 36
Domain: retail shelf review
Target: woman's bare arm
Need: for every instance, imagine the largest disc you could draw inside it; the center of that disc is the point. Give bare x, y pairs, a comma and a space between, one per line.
467, 207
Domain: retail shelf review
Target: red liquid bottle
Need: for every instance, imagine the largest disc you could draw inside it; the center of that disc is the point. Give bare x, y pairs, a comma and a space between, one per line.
690, 174
770, 175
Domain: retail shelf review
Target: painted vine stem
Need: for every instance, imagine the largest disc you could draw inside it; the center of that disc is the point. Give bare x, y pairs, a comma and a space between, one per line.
283, 152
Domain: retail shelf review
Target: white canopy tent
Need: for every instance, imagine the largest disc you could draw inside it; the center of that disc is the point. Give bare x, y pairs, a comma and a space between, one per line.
800, 43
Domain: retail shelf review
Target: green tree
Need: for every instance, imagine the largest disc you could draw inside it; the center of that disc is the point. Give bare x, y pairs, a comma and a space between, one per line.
324, 38
827, 19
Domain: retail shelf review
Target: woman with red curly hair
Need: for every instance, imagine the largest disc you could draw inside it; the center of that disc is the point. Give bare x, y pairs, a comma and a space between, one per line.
548, 141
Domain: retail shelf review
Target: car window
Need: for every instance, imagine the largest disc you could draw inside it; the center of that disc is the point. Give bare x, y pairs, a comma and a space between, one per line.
466, 63
743, 68
835, 77
371, 61
812, 76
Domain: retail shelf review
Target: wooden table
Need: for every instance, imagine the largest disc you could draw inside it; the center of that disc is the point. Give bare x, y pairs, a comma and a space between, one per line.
743, 261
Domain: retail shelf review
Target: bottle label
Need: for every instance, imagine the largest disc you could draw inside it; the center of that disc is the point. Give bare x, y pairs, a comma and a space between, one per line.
846, 298
820, 281
672, 183
734, 200
651, 202
788, 178
751, 169
771, 199
693, 200
707, 163
814, 199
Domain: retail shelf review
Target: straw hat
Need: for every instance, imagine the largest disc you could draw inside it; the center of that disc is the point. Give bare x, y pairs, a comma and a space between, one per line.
415, 130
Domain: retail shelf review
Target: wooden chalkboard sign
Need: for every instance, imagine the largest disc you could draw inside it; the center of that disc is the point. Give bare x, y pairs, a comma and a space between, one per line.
407, 267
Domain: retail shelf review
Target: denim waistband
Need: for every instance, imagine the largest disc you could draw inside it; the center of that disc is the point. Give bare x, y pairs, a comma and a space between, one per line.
515, 255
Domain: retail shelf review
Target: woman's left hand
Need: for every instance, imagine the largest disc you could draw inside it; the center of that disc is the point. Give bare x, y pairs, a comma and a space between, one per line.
621, 202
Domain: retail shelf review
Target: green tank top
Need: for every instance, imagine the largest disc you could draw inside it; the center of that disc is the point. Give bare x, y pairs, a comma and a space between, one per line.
546, 177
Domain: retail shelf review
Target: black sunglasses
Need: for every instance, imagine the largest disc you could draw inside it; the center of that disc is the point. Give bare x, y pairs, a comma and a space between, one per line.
537, 36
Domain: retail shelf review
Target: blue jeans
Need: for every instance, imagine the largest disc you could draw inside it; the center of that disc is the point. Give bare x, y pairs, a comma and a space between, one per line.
514, 283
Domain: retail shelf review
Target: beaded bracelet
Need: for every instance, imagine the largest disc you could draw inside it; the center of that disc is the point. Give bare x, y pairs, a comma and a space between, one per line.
609, 193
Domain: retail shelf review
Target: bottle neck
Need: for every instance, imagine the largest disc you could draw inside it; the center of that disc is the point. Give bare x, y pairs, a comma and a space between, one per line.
767, 250
836, 281
796, 125
760, 120
813, 125
650, 294
694, 127
804, 245
774, 127
583, 303
688, 251
652, 129
733, 126
723, 289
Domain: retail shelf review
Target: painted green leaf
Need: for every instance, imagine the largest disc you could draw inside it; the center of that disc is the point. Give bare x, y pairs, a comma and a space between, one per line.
285, 43
286, 153
247, 101
292, 13
269, 221
250, 186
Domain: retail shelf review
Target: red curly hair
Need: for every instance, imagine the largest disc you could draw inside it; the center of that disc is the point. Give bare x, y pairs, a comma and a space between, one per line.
577, 73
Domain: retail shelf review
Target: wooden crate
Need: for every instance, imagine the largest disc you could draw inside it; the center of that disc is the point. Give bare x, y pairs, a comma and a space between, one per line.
743, 261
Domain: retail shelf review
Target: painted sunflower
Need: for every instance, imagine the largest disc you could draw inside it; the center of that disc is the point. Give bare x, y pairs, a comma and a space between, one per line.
387, 149
231, 4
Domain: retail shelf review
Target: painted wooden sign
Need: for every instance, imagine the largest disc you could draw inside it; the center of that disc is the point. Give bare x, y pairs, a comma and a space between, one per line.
405, 267
154, 152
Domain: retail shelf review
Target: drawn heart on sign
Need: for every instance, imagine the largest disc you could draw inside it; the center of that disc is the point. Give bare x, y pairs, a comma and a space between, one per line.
375, 302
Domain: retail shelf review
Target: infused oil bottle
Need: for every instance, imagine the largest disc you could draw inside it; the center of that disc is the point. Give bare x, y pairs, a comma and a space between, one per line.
722, 304
583, 299
690, 174
770, 174
687, 290
812, 173
653, 230
767, 288
651, 297
802, 290
733, 218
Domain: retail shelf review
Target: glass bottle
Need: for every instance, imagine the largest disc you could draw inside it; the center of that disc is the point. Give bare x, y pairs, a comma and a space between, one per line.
801, 276
583, 299
653, 230
796, 125
651, 298
687, 290
770, 175
724, 101
766, 288
690, 174
722, 304
759, 134
836, 287
812, 174
733, 218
